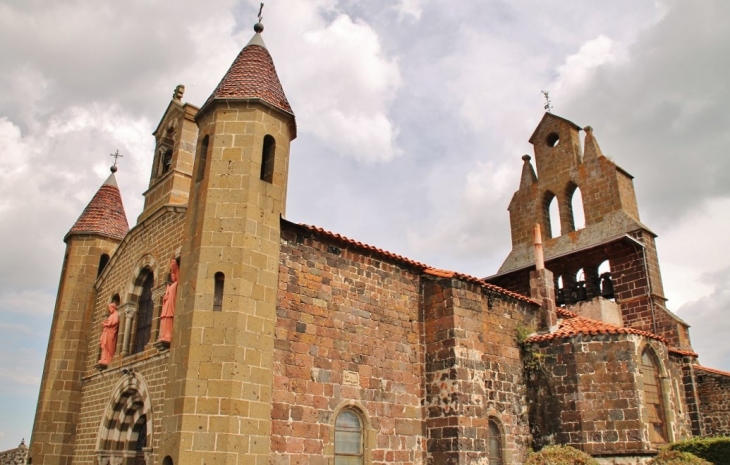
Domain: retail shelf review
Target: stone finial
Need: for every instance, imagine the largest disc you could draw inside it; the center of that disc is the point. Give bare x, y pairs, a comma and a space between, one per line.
592, 150
177, 95
528, 173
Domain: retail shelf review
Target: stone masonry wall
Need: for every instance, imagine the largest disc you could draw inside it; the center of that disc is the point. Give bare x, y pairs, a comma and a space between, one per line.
151, 243
473, 372
587, 392
348, 333
714, 394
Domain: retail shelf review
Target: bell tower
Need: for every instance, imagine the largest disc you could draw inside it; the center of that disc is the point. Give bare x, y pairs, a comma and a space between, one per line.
221, 371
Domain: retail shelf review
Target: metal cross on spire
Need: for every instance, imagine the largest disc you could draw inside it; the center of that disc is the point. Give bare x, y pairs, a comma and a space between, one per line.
116, 156
261, 8
548, 104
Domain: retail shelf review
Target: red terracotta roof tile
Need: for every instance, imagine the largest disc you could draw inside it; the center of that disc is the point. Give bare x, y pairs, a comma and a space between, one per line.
570, 324
252, 76
712, 370
104, 215
686, 353
420, 266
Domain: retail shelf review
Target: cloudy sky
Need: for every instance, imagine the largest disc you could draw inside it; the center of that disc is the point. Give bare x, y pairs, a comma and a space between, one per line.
412, 115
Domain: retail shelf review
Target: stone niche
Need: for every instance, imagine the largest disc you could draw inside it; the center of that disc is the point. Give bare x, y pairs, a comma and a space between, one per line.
599, 309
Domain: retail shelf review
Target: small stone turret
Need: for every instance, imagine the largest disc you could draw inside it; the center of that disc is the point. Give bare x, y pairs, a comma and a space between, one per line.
89, 244
229, 269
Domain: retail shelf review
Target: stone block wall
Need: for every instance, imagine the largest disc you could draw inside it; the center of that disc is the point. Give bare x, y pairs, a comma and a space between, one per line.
98, 397
151, 243
586, 391
473, 372
714, 393
348, 334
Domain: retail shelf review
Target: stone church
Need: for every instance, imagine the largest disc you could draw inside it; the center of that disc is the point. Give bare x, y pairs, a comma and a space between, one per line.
214, 331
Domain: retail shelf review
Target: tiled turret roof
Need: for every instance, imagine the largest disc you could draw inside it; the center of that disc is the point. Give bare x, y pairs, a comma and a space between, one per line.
252, 76
104, 215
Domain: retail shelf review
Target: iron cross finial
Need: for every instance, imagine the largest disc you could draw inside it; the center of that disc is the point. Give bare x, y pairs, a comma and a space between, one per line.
116, 156
548, 104
261, 8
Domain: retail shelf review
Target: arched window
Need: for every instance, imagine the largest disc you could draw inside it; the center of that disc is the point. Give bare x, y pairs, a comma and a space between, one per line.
167, 460
576, 208
145, 306
551, 213
103, 260
653, 397
348, 438
166, 161
220, 281
200, 174
604, 275
495, 443
559, 291
267, 159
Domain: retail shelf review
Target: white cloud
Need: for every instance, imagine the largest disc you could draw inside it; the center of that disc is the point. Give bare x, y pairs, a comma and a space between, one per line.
410, 9
581, 67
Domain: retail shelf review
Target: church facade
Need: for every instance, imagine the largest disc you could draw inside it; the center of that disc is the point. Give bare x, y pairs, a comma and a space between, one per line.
214, 331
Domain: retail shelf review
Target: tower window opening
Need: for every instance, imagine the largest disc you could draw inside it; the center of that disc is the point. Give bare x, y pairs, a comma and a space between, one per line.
220, 280
144, 314
551, 213
348, 439
577, 209
578, 293
552, 139
267, 159
200, 173
604, 275
103, 261
166, 161
559, 291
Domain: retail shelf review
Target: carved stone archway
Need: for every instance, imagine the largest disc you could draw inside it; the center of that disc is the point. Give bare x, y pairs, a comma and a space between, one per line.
125, 431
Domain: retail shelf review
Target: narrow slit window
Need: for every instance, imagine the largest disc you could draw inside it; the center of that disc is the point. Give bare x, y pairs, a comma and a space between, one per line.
267, 159
200, 174
220, 281
348, 439
103, 260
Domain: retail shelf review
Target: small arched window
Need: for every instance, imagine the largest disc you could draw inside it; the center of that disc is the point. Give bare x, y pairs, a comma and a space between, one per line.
348, 438
200, 173
167, 460
145, 308
103, 261
166, 161
576, 207
220, 281
267, 159
495, 443
653, 397
551, 213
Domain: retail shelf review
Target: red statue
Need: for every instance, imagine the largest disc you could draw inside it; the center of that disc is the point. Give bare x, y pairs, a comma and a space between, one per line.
168, 305
108, 339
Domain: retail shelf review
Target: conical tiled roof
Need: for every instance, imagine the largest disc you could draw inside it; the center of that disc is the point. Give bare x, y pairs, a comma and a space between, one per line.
104, 215
252, 76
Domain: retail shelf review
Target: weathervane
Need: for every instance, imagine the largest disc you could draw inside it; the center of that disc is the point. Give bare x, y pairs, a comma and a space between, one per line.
261, 18
548, 104
116, 156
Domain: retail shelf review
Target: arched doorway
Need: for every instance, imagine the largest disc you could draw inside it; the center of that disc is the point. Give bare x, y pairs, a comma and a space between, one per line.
125, 431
